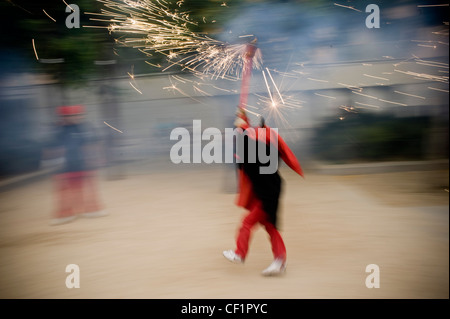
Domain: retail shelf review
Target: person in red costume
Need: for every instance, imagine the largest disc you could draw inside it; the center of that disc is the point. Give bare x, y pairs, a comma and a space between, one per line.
75, 182
259, 193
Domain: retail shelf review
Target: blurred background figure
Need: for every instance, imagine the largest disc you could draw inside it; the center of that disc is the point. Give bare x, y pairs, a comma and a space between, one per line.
75, 145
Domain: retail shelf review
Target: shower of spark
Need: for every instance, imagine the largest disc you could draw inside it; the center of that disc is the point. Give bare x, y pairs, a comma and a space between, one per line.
276, 106
157, 27
276, 110
34, 49
153, 27
49, 16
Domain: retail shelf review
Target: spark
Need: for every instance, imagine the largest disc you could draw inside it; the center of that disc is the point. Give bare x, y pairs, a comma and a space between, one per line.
427, 46
327, 96
34, 48
135, 88
317, 80
276, 88
417, 96
153, 27
48, 15
201, 91
249, 111
436, 89
351, 87
14, 4
174, 88
246, 36
276, 106
301, 72
291, 75
348, 7
443, 32
423, 76
131, 74
376, 77
155, 65
288, 75
273, 111
365, 95
396, 103
431, 63
350, 109
113, 127
224, 4
68, 5
172, 55
225, 90
180, 79
268, 88
427, 41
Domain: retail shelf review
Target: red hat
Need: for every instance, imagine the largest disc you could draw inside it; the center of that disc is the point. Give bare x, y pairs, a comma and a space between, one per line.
70, 110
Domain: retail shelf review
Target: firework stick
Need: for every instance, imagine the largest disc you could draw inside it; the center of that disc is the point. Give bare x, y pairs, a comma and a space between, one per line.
246, 73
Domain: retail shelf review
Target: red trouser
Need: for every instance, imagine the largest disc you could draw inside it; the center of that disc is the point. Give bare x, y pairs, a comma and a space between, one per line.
258, 215
76, 192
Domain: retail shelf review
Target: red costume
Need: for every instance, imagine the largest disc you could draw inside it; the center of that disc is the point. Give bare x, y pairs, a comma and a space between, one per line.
75, 183
259, 193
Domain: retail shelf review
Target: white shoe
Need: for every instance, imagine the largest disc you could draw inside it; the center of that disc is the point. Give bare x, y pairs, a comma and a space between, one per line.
100, 213
277, 267
62, 220
233, 257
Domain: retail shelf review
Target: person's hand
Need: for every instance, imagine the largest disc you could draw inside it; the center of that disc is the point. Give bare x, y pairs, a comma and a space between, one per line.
241, 118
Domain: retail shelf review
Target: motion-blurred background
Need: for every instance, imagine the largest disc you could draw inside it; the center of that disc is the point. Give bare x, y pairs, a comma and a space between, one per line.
364, 109
356, 94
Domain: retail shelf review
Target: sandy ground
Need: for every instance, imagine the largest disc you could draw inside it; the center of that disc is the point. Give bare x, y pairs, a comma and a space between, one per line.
166, 230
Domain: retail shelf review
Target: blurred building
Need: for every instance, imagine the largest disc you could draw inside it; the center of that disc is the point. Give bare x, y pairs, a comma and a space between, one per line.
320, 55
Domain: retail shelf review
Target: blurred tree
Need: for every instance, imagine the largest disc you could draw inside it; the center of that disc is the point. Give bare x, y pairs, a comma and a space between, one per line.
44, 23
372, 137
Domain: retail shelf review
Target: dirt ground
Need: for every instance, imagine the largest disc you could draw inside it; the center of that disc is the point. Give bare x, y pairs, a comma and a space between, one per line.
166, 230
